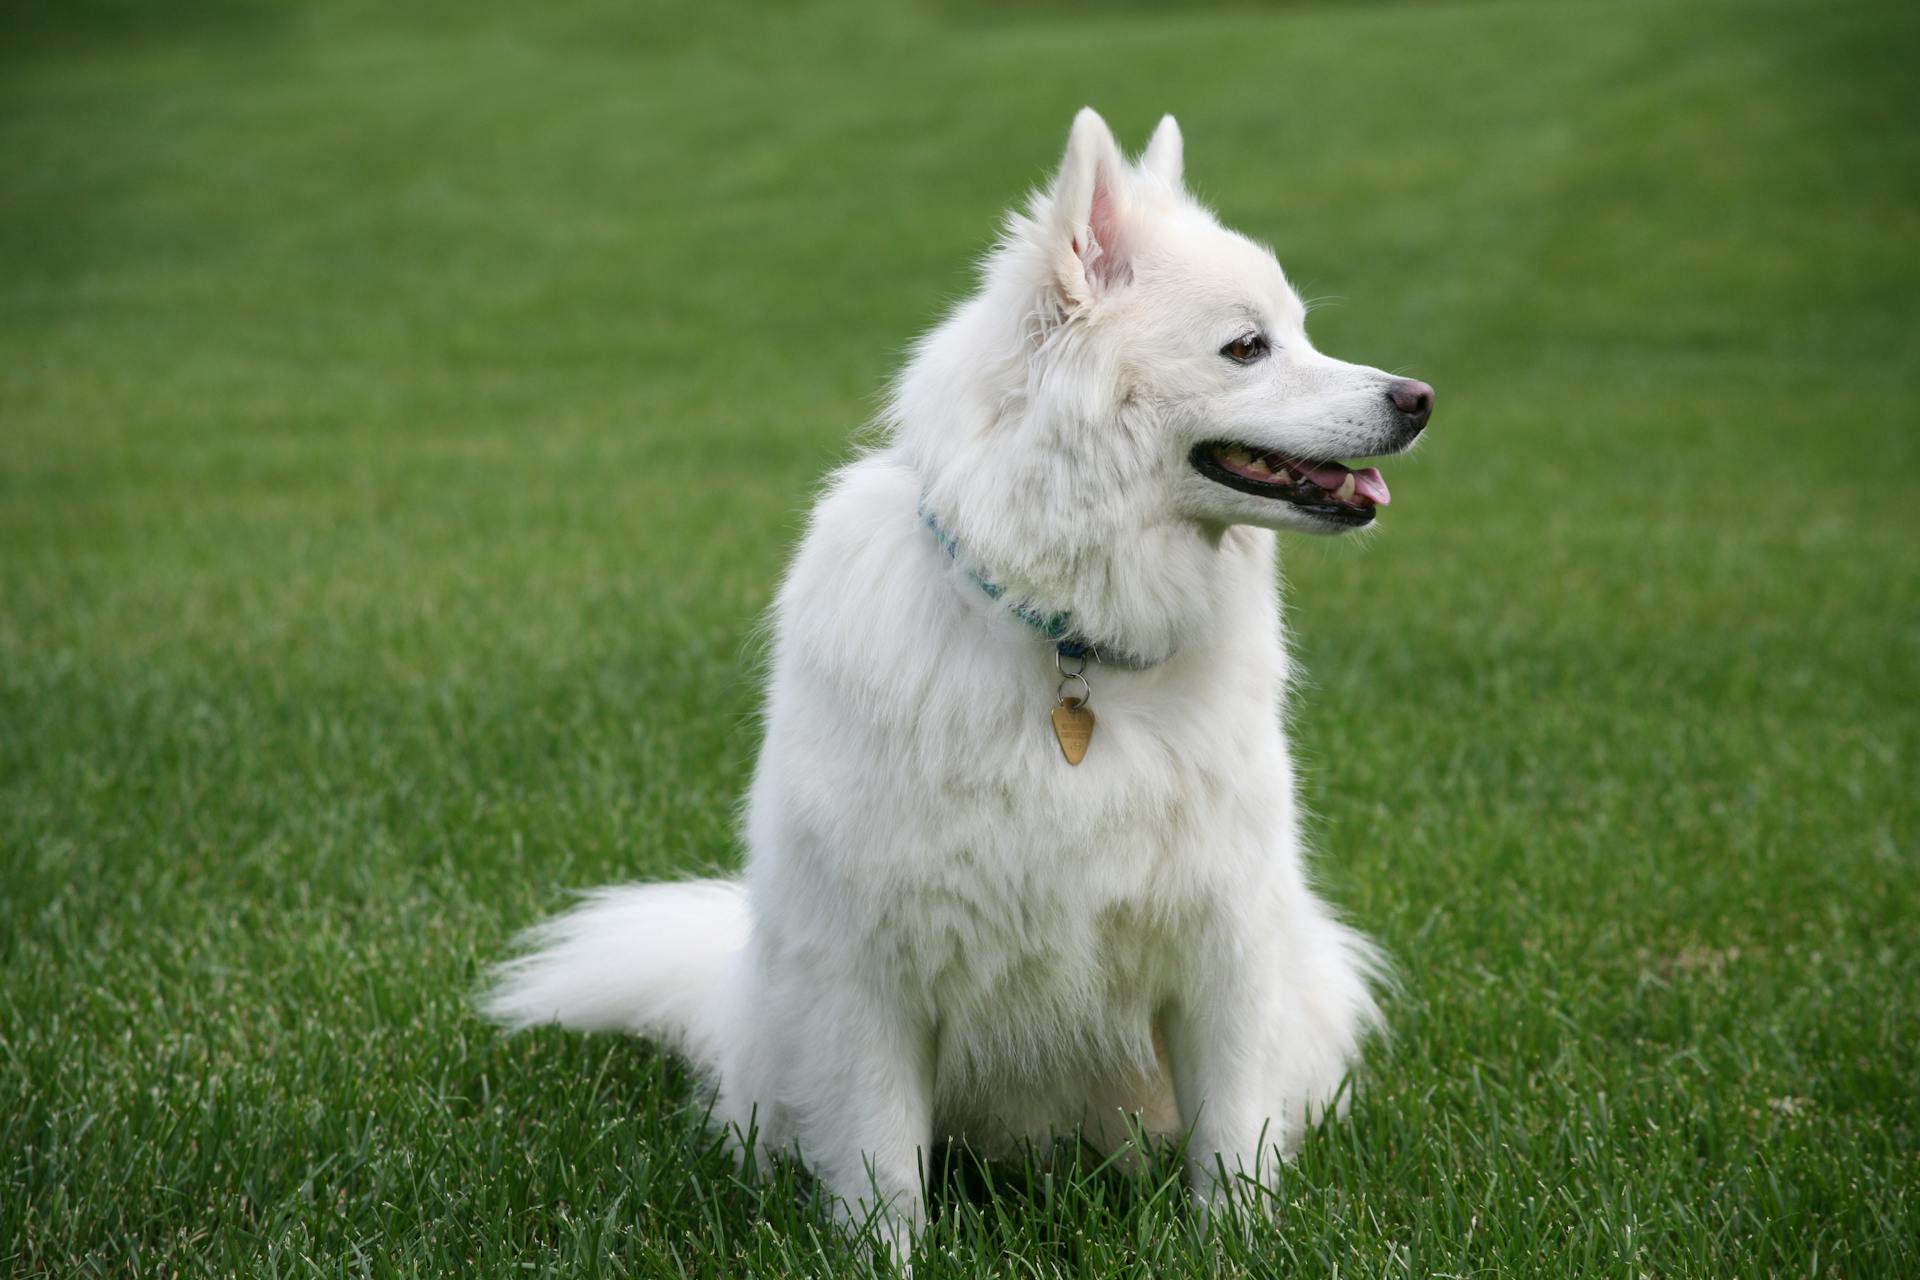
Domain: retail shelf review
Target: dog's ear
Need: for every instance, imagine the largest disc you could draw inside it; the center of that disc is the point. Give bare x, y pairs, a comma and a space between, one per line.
1165, 157
1089, 211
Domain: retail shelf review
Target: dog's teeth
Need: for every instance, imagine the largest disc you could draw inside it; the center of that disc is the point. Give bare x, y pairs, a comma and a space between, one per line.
1259, 466
1345, 491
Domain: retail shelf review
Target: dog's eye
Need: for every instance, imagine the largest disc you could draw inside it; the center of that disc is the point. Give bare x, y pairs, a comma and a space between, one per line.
1246, 349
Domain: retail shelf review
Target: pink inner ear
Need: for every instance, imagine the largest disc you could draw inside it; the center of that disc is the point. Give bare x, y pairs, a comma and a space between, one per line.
1105, 257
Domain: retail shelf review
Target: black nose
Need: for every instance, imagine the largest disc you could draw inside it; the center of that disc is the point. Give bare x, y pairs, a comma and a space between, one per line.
1411, 400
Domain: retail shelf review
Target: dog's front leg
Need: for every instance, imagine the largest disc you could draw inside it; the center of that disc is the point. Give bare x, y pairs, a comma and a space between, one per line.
860, 1086
1215, 1040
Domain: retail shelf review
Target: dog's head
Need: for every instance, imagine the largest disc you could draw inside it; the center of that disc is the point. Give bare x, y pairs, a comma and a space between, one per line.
1184, 342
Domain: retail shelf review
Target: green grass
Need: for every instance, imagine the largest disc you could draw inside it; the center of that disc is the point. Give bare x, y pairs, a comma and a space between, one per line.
405, 413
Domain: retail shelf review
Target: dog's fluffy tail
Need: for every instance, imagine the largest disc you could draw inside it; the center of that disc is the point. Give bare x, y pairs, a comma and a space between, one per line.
655, 959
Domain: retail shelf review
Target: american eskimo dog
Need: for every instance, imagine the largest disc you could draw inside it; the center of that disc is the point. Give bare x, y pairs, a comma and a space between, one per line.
1023, 854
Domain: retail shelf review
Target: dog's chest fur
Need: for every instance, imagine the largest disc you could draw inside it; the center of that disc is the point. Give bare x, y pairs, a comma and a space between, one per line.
911, 802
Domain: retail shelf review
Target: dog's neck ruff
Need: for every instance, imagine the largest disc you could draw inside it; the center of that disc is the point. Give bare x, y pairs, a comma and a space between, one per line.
1056, 627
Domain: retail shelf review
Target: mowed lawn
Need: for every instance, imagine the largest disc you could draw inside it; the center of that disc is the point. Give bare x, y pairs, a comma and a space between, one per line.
405, 413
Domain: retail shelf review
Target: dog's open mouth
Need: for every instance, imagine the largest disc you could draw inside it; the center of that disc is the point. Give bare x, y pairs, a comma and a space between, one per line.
1330, 490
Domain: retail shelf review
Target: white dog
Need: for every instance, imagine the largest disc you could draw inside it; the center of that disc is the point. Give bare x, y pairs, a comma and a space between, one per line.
1023, 850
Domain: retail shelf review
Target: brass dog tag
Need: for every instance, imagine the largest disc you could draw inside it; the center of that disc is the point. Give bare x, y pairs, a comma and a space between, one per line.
1073, 725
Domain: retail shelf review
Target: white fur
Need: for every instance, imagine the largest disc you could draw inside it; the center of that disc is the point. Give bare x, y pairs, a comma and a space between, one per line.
944, 929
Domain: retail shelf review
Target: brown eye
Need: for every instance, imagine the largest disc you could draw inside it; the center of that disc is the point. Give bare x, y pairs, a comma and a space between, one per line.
1246, 349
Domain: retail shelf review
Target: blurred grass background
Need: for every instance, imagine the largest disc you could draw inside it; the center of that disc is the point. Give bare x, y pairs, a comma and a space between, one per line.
405, 413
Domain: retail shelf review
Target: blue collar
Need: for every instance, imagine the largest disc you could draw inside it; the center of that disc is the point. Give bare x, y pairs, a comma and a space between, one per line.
1057, 628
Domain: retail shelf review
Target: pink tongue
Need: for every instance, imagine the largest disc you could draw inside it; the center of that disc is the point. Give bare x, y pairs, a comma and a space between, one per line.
1371, 485
1368, 484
